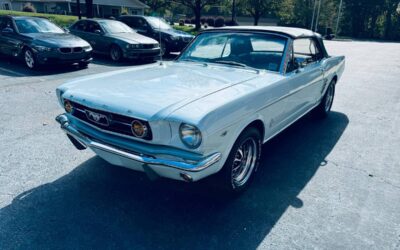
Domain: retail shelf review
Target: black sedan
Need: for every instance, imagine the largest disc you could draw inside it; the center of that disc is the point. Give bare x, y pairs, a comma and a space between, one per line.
172, 40
116, 39
37, 41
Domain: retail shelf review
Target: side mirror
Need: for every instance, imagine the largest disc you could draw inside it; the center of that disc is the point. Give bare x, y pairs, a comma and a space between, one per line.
98, 32
7, 30
299, 62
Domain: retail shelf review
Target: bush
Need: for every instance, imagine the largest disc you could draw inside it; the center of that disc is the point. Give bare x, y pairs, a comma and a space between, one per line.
210, 21
203, 20
193, 20
187, 21
219, 22
60, 20
181, 22
28, 7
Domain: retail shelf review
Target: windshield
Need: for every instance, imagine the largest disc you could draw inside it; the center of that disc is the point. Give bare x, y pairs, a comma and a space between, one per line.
115, 27
259, 51
37, 25
158, 23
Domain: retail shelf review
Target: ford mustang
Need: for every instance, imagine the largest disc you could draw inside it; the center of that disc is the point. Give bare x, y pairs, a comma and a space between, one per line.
209, 111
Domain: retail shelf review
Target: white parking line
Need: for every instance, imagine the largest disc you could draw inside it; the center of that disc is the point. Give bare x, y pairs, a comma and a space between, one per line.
12, 72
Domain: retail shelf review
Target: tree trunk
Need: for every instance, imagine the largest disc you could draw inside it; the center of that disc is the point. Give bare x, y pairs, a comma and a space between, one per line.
197, 14
233, 11
256, 18
388, 25
89, 8
78, 9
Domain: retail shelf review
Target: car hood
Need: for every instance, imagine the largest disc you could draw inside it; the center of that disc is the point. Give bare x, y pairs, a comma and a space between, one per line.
174, 32
152, 92
133, 38
57, 40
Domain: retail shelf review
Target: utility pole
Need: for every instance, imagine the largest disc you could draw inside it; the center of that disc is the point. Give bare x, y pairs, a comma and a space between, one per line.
313, 14
316, 22
78, 9
338, 18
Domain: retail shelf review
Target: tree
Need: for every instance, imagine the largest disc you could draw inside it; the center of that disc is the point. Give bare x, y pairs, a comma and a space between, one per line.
156, 5
196, 6
258, 8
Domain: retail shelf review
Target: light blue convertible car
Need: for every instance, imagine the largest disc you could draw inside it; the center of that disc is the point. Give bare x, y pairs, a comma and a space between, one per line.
209, 111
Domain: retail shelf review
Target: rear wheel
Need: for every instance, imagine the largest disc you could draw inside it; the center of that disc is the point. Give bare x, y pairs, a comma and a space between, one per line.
29, 59
324, 108
115, 53
242, 162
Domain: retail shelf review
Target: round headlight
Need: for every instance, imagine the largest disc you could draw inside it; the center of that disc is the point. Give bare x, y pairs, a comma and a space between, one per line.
190, 135
139, 129
68, 106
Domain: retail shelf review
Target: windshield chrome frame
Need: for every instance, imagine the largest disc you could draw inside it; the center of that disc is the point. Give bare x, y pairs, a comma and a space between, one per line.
284, 59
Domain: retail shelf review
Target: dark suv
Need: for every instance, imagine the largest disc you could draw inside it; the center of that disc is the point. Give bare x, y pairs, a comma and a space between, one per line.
172, 40
38, 41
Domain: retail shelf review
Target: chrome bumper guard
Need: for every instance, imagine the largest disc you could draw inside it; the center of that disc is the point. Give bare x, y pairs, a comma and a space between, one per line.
87, 142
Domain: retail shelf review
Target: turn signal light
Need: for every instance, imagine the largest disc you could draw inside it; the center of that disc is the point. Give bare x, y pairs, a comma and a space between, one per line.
68, 106
138, 129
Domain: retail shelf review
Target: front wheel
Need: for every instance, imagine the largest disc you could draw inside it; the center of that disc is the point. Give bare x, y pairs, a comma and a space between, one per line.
242, 162
324, 108
29, 59
115, 53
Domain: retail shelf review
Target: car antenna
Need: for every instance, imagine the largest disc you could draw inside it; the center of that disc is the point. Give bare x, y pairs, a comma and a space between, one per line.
159, 39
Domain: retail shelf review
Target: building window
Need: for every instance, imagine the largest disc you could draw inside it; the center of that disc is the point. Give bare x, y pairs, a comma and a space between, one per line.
7, 6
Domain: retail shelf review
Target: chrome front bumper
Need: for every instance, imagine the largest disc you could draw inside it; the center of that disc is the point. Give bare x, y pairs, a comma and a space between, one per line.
177, 169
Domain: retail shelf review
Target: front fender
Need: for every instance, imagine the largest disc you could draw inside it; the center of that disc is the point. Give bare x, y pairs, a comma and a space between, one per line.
224, 139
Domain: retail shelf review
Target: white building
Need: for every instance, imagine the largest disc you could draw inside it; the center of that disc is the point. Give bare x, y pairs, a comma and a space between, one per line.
102, 8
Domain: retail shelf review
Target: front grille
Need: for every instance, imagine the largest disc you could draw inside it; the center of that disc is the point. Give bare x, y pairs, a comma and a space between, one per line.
71, 50
77, 49
116, 123
65, 50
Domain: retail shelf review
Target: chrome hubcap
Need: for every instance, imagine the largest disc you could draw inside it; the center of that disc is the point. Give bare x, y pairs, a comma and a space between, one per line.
244, 162
30, 62
329, 98
115, 54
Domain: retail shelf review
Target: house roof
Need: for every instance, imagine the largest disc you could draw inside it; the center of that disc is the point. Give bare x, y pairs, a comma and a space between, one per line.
288, 31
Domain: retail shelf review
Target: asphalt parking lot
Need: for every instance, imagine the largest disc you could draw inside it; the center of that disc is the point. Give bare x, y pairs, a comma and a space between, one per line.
333, 184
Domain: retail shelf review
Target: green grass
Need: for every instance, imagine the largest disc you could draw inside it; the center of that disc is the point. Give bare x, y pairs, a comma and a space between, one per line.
61, 20
188, 29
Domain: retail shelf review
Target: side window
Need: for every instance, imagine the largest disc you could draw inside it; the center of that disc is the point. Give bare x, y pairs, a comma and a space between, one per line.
306, 48
306, 51
92, 27
80, 26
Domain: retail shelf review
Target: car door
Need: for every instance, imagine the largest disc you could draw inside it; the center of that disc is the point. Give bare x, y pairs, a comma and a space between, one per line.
8, 37
141, 26
79, 29
305, 77
95, 36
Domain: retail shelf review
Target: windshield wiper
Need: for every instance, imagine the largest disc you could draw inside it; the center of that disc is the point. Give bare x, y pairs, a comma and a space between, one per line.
233, 63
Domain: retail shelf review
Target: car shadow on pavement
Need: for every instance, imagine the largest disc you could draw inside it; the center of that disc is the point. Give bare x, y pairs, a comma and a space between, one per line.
99, 206
15, 68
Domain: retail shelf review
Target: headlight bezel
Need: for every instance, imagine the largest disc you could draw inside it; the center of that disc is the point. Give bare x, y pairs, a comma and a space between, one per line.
134, 46
42, 48
187, 131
